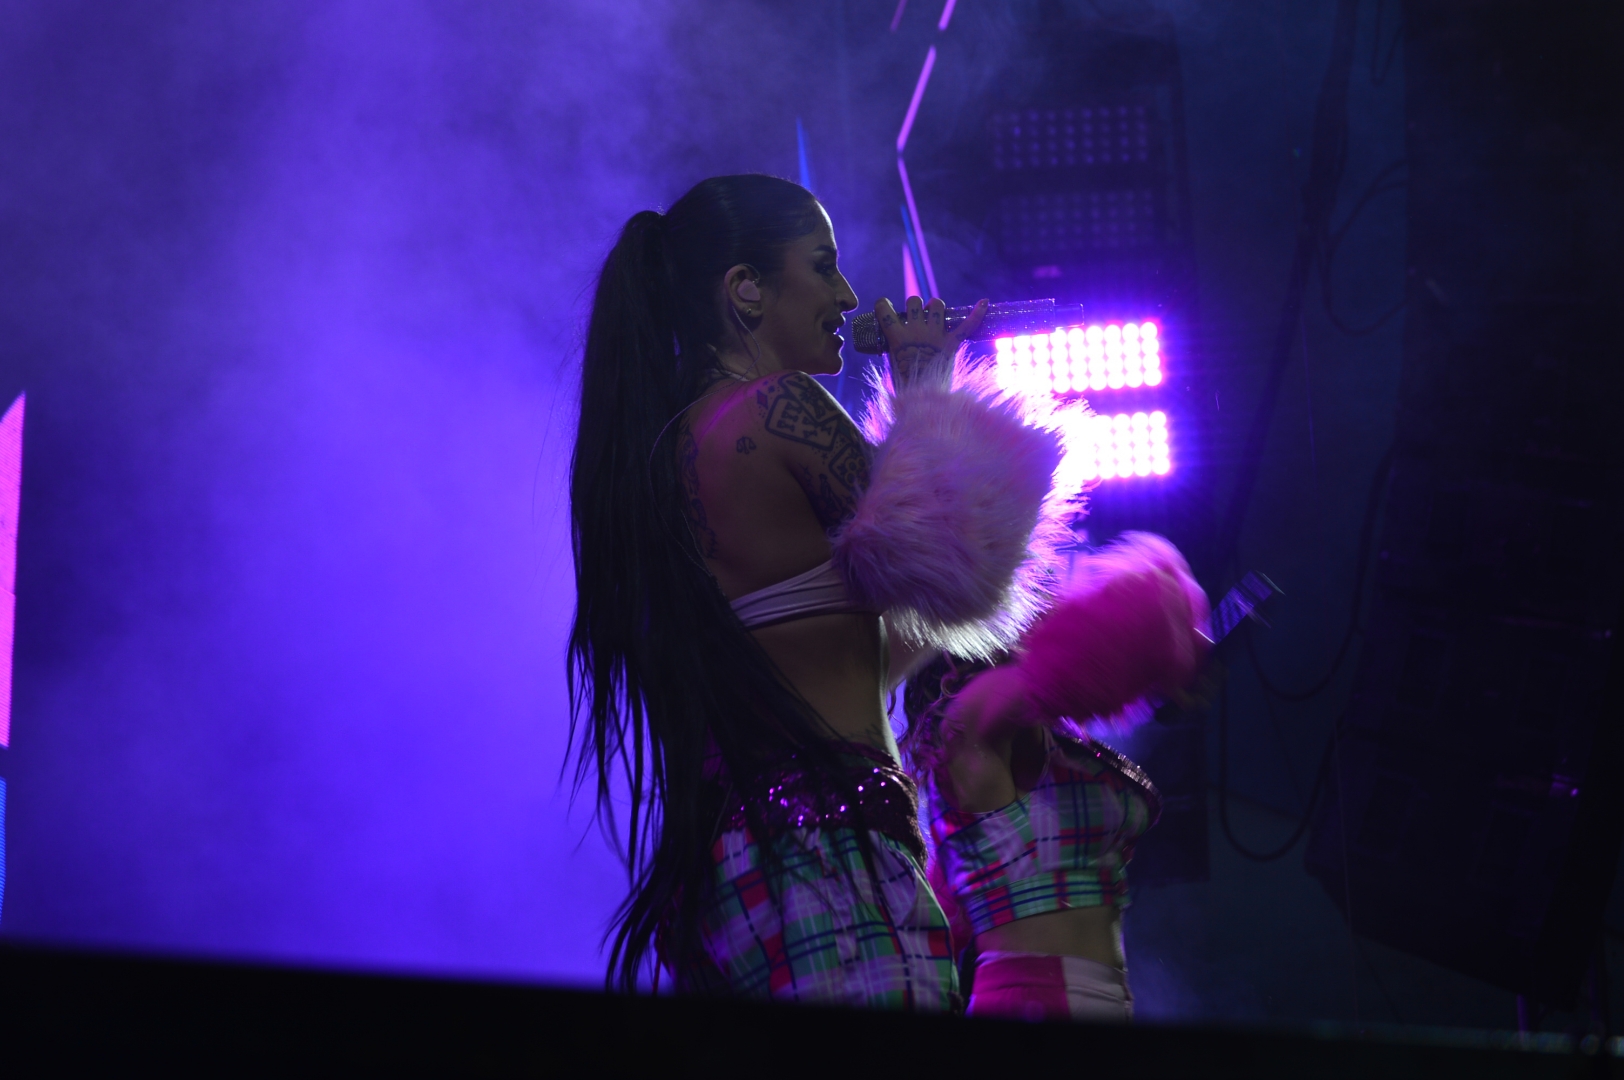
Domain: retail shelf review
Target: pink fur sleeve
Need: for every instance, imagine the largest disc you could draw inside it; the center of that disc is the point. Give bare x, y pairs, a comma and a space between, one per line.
945, 538
1131, 626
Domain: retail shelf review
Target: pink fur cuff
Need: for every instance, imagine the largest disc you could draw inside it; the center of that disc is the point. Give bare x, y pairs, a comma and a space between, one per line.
952, 536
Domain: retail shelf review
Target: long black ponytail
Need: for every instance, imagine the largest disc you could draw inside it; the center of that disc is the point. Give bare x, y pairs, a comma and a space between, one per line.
661, 672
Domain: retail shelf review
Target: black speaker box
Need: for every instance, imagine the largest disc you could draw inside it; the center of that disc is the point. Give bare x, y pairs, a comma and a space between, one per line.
1476, 806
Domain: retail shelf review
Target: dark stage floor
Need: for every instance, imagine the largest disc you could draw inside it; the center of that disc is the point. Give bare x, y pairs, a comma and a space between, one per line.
63, 1009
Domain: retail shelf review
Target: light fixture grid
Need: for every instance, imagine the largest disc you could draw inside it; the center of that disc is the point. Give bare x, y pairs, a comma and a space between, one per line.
1089, 359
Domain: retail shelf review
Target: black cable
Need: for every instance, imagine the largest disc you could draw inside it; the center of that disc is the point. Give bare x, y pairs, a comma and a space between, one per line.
1398, 1018
1378, 75
1285, 749
1370, 327
1332, 240
1377, 186
1327, 158
1223, 791
1367, 536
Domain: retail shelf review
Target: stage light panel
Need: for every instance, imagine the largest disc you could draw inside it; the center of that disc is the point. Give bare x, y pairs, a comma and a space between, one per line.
1098, 135
1121, 445
1078, 359
1085, 360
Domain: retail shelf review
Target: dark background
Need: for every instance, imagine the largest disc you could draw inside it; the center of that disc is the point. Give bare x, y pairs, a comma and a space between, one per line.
295, 292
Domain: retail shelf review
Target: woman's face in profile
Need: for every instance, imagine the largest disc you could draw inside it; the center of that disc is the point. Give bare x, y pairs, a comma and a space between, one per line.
806, 303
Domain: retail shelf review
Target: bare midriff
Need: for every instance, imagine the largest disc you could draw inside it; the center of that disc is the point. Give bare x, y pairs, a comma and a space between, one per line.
837, 663
1093, 933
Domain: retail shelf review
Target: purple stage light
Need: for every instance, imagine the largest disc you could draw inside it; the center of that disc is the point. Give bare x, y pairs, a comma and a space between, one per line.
918, 230
910, 279
1076, 359
1123, 445
1086, 359
1105, 446
918, 96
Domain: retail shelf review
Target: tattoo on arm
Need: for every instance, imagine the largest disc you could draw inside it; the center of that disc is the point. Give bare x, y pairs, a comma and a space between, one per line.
798, 410
745, 444
688, 469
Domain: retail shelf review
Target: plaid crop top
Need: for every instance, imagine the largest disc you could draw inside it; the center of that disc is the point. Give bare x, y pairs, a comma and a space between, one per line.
1065, 844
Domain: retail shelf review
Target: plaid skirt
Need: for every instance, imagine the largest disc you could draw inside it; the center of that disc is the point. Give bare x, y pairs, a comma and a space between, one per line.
824, 930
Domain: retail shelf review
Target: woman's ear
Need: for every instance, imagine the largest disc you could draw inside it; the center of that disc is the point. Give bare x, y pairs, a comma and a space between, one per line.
743, 286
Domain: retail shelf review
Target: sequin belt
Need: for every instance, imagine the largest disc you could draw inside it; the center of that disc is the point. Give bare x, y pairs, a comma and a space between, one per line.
876, 795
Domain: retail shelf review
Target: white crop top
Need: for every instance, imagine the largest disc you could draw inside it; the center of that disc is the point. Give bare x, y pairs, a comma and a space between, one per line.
819, 591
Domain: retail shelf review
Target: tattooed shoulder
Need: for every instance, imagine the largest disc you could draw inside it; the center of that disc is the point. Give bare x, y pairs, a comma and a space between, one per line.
827, 454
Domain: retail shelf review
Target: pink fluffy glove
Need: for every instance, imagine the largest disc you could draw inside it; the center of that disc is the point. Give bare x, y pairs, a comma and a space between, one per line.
1131, 625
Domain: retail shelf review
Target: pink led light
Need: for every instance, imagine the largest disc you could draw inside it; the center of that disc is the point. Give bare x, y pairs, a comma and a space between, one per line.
1061, 362
1121, 446
1004, 366
1077, 359
918, 96
1080, 359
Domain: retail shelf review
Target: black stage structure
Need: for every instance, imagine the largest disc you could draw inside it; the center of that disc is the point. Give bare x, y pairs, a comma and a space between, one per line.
1475, 809
61, 1010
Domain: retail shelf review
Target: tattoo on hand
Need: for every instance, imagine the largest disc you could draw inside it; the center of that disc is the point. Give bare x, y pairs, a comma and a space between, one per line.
800, 411
910, 359
745, 444
693, 508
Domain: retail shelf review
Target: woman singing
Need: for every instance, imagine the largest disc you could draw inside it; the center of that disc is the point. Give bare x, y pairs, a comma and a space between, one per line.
728, 659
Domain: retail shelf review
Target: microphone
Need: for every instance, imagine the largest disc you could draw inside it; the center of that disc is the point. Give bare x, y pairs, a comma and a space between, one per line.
1020, 317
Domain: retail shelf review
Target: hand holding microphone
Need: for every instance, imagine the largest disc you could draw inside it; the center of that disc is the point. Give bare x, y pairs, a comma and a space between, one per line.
920, 340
